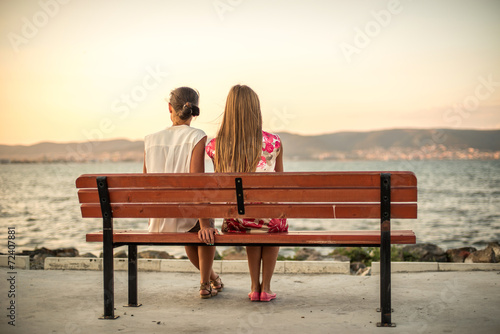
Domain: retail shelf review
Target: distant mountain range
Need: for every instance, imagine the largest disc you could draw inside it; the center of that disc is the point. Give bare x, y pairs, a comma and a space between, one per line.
372, 145
394, 144
114, 150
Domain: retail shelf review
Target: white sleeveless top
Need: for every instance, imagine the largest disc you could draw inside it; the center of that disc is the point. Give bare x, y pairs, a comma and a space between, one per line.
169, 151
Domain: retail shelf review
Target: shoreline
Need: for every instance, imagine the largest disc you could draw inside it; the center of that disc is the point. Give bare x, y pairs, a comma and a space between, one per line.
463, 155
357, 260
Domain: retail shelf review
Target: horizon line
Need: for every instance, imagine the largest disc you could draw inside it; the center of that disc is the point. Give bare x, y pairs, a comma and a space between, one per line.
287, 132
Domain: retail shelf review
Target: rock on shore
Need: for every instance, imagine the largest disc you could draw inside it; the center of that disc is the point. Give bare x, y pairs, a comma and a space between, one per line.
459, 254
360, 257
425, 253
38, 256
491, 254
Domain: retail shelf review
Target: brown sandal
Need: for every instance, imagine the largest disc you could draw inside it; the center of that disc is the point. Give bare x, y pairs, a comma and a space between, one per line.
217, 284
207, 287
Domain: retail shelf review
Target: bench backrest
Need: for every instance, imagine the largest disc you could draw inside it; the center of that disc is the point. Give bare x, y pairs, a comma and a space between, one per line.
250, 195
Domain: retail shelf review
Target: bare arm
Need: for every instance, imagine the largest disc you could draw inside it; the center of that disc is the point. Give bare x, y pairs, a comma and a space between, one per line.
198, 157
145, 171
279, 160
207, 228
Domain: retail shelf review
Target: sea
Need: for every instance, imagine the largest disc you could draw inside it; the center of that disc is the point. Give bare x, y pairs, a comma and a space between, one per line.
458, 203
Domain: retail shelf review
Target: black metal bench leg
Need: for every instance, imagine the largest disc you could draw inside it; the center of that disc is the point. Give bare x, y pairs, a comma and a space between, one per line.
109, 286
385, 283
132, 276
385, 251
107, 249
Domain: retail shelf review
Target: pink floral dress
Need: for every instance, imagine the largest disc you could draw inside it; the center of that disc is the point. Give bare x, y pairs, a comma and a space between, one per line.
271, 145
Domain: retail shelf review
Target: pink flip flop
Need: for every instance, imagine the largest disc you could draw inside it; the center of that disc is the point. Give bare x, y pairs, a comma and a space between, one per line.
267, 297
254, 296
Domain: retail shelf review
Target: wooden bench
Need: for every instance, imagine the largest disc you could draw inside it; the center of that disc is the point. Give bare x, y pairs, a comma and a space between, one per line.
308, 195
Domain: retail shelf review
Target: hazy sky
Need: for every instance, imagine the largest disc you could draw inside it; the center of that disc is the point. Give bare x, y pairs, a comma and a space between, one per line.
78, 70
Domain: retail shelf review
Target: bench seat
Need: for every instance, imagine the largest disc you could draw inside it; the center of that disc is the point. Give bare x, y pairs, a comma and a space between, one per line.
368, 195
299, 238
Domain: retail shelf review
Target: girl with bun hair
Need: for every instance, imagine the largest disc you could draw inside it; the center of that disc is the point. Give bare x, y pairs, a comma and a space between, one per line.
242, 146
180, 149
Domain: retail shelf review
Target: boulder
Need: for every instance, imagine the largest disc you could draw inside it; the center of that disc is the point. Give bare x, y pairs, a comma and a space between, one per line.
66, 252
235, 253
459, 254
496, 249
425, 253
120, 254
152, 254
308, 254
60, 252
38, 256
87, 255
486, 255
357, 267
365, 272
36, 251
38, 260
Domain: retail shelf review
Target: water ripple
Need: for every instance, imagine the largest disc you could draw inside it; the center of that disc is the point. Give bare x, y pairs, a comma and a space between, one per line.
459, 202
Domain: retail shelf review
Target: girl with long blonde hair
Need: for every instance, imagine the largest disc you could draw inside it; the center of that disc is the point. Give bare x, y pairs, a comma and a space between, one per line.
242, 146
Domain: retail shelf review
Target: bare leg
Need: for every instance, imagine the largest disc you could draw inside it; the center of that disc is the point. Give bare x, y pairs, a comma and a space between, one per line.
192, 254
254, 255
206, 256
202, 257
269, 257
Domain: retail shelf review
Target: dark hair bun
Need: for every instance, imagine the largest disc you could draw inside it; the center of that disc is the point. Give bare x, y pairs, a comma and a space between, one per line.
185, 102
190, 110
196, 111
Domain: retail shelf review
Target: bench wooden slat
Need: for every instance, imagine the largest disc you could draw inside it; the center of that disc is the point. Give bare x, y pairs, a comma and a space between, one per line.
296, 210
257, 180
134, 195
368, 237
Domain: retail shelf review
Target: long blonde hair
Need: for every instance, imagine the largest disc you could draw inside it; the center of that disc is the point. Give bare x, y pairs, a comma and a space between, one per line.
238, 146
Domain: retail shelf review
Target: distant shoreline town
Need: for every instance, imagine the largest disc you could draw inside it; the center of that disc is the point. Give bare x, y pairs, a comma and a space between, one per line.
378, 154
385, 145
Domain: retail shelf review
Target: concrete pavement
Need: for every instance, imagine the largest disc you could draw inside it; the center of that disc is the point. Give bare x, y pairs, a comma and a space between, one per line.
70, 301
